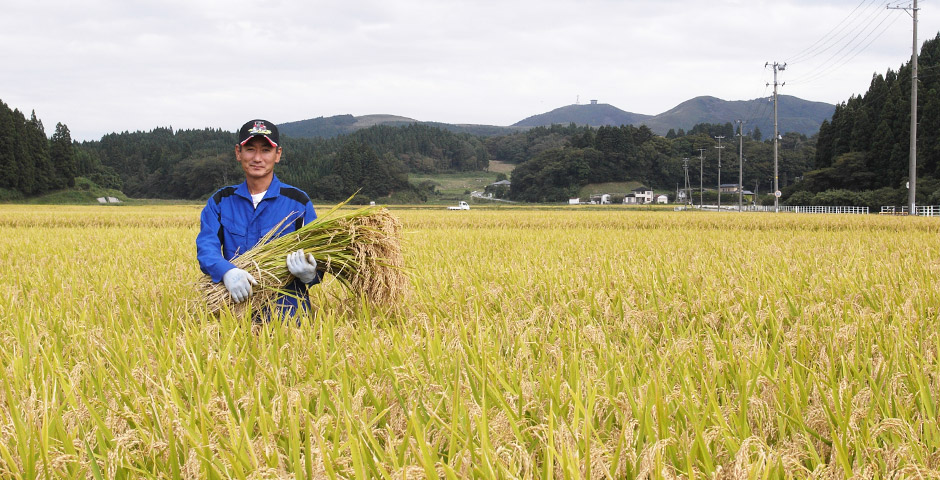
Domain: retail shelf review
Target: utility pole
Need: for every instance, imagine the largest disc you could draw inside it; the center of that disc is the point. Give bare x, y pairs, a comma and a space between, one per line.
719, 147
912, 181
776, 67
740, 165
688, 189
701, 170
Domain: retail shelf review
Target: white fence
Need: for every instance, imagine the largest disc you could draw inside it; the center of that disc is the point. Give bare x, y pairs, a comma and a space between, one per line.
927, 210
808, 209
920, 210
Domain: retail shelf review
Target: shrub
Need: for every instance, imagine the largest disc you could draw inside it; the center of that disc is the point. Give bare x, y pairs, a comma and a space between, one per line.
836, 198
10, 195
84, 184
802, 197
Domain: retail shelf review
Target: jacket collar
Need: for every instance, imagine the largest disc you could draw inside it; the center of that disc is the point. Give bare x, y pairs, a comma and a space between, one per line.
273, 190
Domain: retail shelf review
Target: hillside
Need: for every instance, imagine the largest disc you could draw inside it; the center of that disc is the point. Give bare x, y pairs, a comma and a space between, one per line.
329, 127
594, 114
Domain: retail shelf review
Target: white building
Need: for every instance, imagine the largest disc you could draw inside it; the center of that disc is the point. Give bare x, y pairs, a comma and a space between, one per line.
643, 195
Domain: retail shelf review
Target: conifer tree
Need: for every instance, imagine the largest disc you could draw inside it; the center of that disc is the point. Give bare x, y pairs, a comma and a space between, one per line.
39, 154
7, 139
63, 159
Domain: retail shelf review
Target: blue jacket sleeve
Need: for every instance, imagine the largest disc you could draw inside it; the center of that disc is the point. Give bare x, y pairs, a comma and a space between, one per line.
209, 243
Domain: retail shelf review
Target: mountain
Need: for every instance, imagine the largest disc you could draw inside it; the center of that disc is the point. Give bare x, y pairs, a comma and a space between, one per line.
328, 127
793, 114
593, 114
338, 125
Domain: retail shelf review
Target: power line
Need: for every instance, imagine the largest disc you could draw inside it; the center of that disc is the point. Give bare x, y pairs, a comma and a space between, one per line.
857, 49
813, 50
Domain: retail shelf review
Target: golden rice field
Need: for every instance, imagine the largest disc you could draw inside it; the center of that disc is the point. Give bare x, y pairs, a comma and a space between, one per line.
534, 344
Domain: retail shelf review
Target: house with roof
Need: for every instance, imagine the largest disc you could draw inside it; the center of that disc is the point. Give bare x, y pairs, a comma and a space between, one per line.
642, 195
498, 189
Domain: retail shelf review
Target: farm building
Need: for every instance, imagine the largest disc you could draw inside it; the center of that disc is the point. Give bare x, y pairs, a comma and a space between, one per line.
498, 189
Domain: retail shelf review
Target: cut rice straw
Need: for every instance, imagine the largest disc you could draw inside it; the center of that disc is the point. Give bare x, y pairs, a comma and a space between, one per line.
360, 248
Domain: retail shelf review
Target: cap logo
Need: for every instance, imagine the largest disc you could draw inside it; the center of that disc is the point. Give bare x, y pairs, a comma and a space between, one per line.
259, 129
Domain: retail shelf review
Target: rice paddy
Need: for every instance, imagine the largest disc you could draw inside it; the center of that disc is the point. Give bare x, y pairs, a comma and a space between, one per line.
566, 343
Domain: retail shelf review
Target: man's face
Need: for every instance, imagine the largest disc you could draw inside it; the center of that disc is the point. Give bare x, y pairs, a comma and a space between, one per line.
258, 157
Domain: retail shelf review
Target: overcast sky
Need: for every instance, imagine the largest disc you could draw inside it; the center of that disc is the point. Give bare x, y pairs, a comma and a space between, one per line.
103, 66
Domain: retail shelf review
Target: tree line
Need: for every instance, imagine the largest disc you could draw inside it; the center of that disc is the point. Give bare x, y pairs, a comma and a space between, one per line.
191, 164
555, 162
30, 162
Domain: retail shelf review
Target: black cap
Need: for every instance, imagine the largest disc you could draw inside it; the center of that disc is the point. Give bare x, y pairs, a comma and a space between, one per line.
256, 128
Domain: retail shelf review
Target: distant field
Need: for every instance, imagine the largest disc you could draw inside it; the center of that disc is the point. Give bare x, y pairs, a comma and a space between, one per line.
454, 186
497, 166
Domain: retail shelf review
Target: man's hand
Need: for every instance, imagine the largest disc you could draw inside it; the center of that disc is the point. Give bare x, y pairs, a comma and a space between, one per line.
304, 267
238, 282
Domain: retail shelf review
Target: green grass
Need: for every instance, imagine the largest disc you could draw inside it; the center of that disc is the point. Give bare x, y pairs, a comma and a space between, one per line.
497, 166
451, 187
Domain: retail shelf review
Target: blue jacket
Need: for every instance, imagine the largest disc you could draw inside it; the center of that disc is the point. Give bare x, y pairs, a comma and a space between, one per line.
230, 225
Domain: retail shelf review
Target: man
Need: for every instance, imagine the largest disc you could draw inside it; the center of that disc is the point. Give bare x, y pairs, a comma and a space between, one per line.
236, 217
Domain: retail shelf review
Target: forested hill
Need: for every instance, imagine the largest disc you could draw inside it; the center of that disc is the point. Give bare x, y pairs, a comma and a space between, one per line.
556, 162
866, 145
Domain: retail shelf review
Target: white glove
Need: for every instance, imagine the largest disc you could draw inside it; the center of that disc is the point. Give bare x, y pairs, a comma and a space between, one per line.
238, 282
304, 267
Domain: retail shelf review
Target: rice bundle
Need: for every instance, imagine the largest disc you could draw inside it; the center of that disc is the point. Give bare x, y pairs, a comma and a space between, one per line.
361, 249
